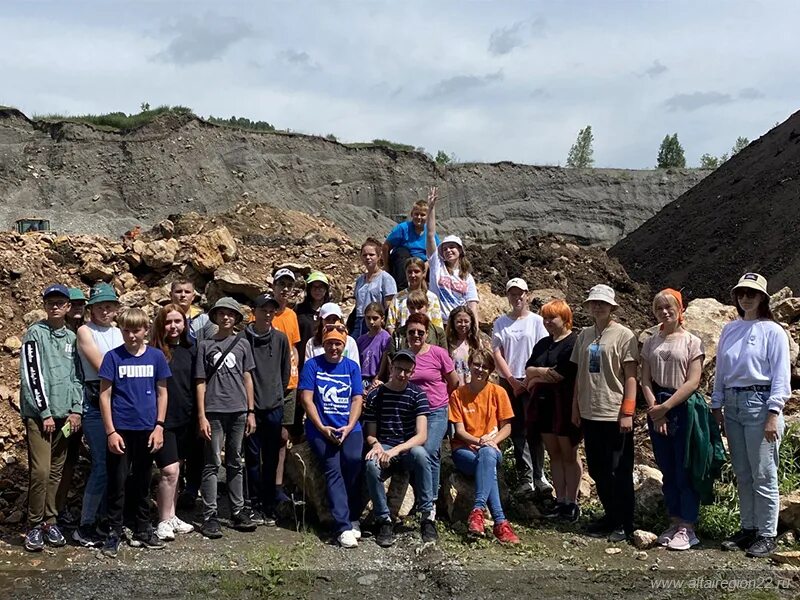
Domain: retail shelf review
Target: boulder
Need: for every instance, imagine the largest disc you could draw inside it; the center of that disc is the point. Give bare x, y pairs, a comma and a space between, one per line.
787, 310
786, 557
29, 318
491, 305
644, 539
227, 281
12, 344
457, 495
705, 317
212, 249
94, 269
135, 298
779, 296
649, 499
789, 515
157, 254
399, 495
542, 296
302, 469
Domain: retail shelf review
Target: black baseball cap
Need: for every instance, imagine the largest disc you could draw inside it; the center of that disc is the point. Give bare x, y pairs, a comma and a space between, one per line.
265, 299
405, 355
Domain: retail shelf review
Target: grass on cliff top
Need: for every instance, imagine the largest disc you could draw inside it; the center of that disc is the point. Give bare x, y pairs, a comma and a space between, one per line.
118, 120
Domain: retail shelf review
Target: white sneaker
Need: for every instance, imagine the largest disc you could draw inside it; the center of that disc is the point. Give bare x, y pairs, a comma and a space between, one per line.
347, 539
165, 532
179, 526
542, 486
356, 529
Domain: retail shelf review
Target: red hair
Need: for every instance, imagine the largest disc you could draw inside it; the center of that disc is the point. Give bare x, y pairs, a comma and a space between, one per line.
557, 308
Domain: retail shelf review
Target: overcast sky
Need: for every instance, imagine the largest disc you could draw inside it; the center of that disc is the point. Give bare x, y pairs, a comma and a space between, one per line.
488, 81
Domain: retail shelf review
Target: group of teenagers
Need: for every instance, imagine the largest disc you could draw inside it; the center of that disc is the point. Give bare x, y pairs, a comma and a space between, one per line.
378, 393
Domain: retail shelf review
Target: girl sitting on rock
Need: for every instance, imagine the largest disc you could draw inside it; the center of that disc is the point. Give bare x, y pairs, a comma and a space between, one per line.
481, 413
463, 336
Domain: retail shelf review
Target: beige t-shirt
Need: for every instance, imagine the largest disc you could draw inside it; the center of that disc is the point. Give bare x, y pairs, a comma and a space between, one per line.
601, 377
669, 359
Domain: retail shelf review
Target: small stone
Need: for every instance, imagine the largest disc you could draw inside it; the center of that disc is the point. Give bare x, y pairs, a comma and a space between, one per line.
640, 555
613, 550
644, 539
14, 517
368, 579
787, 557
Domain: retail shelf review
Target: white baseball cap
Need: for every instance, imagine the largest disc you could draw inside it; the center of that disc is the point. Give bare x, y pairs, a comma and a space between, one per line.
328, 309
602, 293
517, 282
284, 273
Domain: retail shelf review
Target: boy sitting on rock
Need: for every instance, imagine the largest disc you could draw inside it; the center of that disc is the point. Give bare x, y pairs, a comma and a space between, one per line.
395, 425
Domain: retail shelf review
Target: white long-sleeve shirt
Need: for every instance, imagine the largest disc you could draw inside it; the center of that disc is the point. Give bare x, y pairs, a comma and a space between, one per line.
753, 353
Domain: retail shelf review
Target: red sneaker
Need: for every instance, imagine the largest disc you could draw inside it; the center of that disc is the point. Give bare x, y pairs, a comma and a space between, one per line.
475, 523
504, 533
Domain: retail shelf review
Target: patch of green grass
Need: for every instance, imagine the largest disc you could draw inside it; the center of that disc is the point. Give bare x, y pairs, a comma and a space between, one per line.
118, 120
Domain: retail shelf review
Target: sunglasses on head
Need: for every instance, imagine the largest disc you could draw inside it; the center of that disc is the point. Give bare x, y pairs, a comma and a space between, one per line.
479, 366
334, 327
416, 332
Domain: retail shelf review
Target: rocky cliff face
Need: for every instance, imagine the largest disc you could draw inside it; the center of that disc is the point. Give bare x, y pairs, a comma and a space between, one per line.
87, 180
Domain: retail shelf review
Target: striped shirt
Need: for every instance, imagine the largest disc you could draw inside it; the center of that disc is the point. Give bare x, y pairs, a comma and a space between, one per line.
395, 413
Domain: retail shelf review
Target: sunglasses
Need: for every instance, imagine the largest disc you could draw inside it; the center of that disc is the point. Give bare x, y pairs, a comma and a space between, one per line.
416, 332
480, 366
334, 327
748, 293
56, 303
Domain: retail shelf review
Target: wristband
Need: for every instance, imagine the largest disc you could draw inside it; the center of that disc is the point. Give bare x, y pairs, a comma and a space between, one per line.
250, 411
160, 423
108, 435
628, 407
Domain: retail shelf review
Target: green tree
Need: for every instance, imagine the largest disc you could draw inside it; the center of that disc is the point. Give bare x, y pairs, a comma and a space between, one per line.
741, 144
670, 154
144, 106
442, 158
709, 161
581, 155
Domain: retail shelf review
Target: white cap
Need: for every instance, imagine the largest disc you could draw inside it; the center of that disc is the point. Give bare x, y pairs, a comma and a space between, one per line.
517, 282
602, 293
451, 239
328, 309
284, 273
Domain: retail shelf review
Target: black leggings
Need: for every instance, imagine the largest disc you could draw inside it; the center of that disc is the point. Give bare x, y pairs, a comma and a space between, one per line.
138, 461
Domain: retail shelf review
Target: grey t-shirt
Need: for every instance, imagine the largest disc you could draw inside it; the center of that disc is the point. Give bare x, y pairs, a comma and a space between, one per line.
373, 291
225, 390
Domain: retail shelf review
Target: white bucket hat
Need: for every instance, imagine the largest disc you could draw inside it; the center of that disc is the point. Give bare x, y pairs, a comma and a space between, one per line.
451, 239
602, 293
753, 281
328, 309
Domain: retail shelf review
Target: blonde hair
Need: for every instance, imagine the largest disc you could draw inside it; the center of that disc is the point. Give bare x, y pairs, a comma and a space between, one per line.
132, 318
417, 299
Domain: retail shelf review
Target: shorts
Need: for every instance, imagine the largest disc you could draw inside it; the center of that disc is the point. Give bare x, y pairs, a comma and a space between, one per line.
177, 444
289, 403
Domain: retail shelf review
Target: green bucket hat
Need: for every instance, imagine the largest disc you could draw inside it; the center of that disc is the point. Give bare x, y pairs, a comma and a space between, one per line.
102, 292
76, 295
228, 303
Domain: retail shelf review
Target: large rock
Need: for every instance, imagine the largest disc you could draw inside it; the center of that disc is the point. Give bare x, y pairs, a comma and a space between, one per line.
157, 254
227, 281
649, 499
789, 515
302, 469
644, 540
212, 249
787, 310
491, 306
457, 494
705, 317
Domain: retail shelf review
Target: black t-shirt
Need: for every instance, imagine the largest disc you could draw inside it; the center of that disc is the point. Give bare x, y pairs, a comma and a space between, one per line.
307, 322
180, 387
555, 355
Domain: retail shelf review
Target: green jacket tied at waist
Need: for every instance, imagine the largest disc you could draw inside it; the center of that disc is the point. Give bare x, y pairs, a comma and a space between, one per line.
705, 453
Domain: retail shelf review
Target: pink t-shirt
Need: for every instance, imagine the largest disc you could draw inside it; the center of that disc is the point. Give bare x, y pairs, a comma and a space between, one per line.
669, 359
430, 375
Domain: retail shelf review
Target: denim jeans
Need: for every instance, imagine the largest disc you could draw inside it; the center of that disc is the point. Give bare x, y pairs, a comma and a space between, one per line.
341, 465
482, 465
754, 460
437, 427
94, 495
681, 500
261, 457
415, 461
227, 428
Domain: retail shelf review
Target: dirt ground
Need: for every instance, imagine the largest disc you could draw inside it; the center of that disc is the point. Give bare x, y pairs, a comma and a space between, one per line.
552, 561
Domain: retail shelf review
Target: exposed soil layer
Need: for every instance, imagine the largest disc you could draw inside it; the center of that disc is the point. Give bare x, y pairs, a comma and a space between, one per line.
743, 217
63, 170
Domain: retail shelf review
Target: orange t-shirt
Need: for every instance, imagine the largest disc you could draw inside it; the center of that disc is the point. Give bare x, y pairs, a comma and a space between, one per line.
480, 414
286, 322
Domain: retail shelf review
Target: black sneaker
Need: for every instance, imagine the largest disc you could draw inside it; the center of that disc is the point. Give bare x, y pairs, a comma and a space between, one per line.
86, 536
242, 522
211, 528
53, 536
763, 546
555, 511
34, 539
618, 535
600, 528
570, 513
66, 520
741, 540
103, 529
111, 545
385, 536
149, 539
260, 517
428, 531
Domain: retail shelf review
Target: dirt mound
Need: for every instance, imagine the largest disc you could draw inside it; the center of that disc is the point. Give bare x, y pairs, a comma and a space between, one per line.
742, 217
176, 163
553, 265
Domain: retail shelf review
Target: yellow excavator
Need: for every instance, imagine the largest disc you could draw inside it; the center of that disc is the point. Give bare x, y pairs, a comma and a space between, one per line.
32, 225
